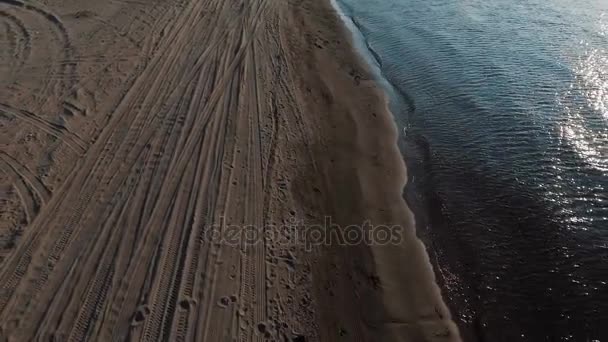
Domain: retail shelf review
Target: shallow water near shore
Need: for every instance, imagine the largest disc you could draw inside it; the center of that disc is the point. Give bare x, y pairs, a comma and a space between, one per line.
504, 109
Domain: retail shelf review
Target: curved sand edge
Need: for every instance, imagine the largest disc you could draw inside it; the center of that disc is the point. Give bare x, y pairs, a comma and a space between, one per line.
365, 174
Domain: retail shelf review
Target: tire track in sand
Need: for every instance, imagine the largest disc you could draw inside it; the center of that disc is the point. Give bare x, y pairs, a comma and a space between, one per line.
52, 86
33, 182
61, 132
131, 261
63, 242
26, 194
86, 199
77, 183
21, 42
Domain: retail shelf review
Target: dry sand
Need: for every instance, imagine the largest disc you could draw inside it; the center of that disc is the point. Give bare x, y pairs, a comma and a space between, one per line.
131, 128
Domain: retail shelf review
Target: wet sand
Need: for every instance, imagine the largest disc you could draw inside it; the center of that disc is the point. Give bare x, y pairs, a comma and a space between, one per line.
132, 130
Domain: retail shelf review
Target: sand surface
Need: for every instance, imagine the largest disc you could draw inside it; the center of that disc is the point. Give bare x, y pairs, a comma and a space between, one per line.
131, 130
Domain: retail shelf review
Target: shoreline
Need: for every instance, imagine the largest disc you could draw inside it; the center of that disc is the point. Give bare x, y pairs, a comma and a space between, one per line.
412, 149
386, 258
117, 172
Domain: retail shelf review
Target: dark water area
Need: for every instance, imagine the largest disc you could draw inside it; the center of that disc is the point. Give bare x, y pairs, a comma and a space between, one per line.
503, 106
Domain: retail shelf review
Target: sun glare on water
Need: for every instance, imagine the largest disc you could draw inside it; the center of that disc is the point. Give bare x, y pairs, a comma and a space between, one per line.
585, 104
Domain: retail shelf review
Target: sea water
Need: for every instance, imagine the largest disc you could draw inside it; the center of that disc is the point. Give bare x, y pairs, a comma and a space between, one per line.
503, 106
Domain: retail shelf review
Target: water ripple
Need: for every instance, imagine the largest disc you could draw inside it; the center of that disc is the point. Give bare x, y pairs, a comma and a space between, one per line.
510, 113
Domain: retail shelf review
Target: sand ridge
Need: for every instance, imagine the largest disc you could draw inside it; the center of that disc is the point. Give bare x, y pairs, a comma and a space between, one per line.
130, 130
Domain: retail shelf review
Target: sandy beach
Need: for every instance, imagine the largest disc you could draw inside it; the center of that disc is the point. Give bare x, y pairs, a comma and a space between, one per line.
168, 170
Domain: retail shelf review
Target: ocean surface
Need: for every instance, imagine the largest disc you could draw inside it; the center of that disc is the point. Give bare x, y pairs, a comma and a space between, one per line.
503, 106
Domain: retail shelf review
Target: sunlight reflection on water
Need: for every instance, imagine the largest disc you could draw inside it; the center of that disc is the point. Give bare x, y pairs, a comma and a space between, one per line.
586, 126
